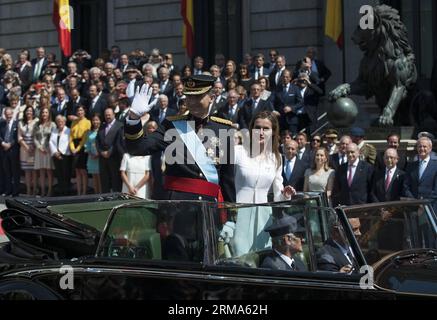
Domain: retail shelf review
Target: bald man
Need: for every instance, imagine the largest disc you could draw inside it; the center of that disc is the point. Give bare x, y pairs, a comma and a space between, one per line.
388, 181
353, 180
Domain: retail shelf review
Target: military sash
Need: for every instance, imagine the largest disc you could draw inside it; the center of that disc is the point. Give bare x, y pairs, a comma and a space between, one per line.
197, 150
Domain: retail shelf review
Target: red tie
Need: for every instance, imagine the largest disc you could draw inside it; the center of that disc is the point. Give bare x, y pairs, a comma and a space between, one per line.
388, 180
349, 177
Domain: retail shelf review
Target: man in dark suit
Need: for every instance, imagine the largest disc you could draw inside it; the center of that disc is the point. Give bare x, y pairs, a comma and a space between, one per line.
302, 113
39, 64
162, 110
219, 100
275, 77
303, 151
252, 107
421, 176
353, 180
259, 69
60, 106
393, 141
336, 255
231, 109
319, 67
110, 148
24, 70
388, 182
10, 154
293, 169
165, 84
286, 243
97, 102
75, 101
2, 172
340, 157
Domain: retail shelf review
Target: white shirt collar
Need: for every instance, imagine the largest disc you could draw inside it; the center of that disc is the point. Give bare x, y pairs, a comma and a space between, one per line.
392, 170
426, 159
287, 260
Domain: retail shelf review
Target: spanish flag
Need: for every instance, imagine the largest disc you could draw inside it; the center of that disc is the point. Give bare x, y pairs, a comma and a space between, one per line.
63, 23
334, 21
188, 28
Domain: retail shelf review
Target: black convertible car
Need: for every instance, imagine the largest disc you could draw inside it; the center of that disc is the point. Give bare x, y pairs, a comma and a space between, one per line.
117, 247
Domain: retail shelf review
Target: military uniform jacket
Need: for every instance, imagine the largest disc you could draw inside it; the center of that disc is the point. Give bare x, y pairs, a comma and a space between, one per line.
139, 144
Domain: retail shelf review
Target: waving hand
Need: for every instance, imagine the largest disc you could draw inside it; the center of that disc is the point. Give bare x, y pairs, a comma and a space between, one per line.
140, 104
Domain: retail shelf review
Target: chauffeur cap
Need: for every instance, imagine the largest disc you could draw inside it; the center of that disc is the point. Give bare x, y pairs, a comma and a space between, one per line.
198, 84
282, 226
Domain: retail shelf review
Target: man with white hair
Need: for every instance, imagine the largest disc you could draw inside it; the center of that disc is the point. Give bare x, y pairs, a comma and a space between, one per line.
159, 114
421, 175
353, 180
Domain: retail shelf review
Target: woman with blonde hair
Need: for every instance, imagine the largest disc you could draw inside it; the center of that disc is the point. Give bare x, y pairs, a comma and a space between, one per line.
43, 159
320, 177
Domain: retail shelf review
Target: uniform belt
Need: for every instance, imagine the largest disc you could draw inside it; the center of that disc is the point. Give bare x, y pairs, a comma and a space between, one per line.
196, 186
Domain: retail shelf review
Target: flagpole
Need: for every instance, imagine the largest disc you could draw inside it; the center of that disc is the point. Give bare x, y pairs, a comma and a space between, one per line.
344, 41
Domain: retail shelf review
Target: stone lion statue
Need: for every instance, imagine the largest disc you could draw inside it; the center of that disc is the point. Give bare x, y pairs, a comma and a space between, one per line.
387, 70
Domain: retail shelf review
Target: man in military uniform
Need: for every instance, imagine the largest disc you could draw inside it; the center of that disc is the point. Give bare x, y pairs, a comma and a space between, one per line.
367, 151
202, 170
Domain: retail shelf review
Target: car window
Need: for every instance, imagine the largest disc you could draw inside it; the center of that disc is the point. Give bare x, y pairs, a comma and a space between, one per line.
243, 241
384, 230
155, 231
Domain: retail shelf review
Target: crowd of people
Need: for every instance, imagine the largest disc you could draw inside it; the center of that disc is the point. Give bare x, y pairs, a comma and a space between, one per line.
62, 123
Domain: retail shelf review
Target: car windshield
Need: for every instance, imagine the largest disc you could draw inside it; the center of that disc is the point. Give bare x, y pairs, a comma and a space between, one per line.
385, 229
155, 231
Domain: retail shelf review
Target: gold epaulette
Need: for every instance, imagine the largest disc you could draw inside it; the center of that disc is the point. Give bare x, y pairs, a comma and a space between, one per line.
221, 120
178, 117
135, 136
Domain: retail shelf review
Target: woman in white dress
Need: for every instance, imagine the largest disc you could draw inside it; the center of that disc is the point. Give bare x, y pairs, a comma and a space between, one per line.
258, 167
320, 177
135, 174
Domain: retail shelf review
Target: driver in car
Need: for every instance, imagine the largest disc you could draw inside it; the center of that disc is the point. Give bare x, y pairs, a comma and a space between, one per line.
336, 255
286, 244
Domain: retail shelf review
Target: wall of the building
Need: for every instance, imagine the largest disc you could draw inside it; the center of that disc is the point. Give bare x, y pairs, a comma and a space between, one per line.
147, 25
289, 26
27, 24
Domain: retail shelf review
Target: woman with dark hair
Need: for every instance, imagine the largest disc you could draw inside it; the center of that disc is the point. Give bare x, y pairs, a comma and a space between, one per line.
258, 167
27, 149
186, 71
264, 82
320, 177
93, 156
244, 78
78, 136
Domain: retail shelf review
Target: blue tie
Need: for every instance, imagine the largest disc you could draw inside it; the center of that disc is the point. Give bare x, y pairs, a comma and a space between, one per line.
288, 170
422, 168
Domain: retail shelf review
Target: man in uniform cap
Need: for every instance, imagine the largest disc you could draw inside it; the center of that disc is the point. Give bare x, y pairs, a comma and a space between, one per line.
367, 151
331, 136
202, 169
285, 245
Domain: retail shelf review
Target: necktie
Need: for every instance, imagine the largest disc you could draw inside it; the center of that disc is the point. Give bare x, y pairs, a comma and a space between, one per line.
255, 104
278, 76
162, 116
288, 170
341, 159
349, 177
293, 265
388, 180
258, 73
422, 168
37, 71
108, 127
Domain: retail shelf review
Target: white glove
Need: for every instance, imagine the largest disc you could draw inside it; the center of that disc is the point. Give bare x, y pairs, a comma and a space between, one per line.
227, 232
141, 105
